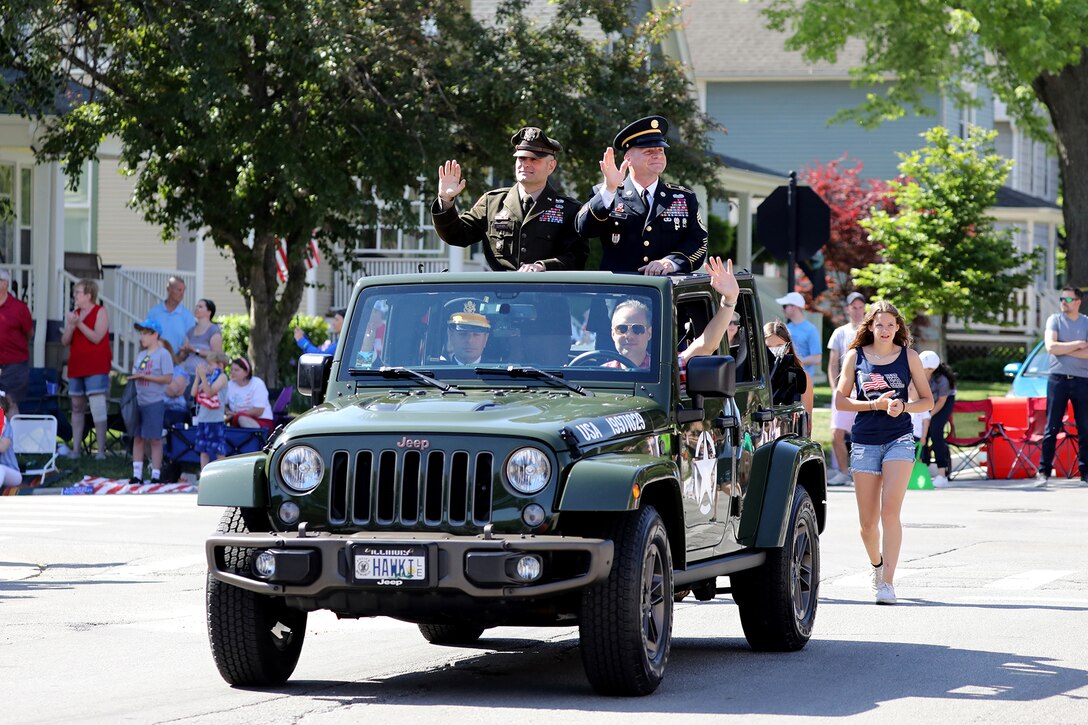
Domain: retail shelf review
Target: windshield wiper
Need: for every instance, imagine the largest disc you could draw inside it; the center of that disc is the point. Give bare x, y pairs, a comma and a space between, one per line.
403, 372
524, 371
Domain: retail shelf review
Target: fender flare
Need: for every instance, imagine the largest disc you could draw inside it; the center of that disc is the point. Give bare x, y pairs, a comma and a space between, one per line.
606, 483
776, 470
235, 481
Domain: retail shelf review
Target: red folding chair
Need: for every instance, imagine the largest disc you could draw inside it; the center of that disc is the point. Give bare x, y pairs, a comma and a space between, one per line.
970, 428
1066, 446
1014, 451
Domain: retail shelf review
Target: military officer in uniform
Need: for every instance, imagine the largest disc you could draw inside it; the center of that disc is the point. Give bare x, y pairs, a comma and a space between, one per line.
527, 227
645, 224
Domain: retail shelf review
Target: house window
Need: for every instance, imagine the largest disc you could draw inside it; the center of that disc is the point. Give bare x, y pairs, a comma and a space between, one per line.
77, 213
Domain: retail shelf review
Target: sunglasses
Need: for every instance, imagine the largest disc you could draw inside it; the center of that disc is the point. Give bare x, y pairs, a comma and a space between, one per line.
635, 329
1068, 299
734, 323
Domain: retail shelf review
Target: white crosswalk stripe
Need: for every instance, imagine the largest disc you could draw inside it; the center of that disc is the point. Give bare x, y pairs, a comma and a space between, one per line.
1031, 579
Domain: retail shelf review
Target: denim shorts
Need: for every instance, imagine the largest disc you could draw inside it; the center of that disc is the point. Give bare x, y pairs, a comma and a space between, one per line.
148, 422
89, 385
870, 458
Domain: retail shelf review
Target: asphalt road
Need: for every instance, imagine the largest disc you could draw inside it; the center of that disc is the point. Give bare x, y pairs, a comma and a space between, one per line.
102, 620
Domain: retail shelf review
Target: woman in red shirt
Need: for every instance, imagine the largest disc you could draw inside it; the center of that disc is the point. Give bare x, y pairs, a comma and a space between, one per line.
87, 332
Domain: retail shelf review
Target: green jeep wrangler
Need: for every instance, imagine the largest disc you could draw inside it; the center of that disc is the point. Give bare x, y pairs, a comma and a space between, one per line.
479, 454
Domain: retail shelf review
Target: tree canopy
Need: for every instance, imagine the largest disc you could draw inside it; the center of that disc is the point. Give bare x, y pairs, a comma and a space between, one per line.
1031, 55
942, 254
258, 120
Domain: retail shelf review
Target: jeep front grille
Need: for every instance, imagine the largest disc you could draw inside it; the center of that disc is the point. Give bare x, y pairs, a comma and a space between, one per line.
411, 488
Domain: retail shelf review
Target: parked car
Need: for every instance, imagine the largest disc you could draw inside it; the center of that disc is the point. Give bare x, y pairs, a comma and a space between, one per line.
551, 482
1029, 377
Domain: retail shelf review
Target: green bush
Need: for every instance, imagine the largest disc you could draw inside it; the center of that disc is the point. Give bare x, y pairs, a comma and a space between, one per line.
988, 368
235, 329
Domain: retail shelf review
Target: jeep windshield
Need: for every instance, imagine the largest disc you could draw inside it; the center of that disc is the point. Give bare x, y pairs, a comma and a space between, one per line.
584, 332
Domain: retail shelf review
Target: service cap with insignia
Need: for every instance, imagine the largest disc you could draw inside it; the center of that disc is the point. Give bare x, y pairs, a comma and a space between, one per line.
467, 318
533, 143
646, 132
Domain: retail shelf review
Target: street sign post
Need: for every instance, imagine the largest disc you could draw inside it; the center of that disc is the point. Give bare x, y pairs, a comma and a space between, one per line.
793, 223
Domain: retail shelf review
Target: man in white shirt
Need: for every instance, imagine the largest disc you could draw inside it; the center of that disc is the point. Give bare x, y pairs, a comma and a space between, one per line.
842, 420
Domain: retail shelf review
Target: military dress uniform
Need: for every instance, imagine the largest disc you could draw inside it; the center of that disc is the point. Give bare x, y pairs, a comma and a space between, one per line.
631, 234
513, 235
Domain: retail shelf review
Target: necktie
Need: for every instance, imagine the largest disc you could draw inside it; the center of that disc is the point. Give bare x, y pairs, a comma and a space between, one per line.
526, 205
649, 202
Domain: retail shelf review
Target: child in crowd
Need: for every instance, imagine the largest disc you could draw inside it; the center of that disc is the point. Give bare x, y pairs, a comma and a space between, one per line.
153, 371
210, 410
9, 467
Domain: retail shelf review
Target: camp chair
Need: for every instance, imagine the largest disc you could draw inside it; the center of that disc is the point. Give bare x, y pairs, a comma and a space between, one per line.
279, 408
1066, 446
35, 435
969, 430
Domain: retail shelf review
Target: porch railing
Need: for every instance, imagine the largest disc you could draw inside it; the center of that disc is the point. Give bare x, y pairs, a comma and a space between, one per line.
344, 278
1026, 323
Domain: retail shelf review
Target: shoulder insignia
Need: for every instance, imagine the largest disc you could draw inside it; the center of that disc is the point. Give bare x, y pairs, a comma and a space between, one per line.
678, 187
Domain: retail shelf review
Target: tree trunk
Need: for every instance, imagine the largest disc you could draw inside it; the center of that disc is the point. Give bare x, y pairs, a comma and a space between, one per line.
1065, 97
269, 315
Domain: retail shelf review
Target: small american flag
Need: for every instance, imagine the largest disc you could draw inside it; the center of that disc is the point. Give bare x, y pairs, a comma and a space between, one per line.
875, 382
312, 258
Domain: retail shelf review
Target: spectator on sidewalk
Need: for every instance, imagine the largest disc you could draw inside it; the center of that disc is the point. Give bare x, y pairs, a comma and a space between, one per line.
202, 338
152, 372
176, 397
842, 420
336, 324
1066, 340
942, 382
786, 384
10, 474
210, 418
90, 359
247, 397
174, 318
806, 338
15, 329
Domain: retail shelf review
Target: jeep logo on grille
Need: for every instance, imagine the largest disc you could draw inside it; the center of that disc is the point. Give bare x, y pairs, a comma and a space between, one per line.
420, 443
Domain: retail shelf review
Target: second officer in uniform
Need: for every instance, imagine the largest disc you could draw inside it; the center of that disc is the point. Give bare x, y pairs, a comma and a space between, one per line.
645, 224
527, 227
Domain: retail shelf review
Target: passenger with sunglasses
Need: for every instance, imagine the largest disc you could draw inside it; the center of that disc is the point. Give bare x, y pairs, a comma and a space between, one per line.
632, 332
1067, 342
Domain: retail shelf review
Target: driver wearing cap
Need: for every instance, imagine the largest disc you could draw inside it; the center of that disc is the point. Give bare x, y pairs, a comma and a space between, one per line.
527, 227
467, 334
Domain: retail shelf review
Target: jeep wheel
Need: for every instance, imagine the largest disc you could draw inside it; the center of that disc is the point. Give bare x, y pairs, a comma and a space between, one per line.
452, 634
626, 623
256, 639
777, 601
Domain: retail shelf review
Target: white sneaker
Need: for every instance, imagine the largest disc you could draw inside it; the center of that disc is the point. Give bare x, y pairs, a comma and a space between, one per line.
940, 482
1041, 480
878, 577
885, 594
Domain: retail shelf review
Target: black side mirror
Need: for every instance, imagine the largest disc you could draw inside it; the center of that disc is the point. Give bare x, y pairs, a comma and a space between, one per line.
713, 376
313, 374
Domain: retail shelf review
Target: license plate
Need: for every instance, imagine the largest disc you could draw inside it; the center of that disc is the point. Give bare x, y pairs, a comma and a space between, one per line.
392, 565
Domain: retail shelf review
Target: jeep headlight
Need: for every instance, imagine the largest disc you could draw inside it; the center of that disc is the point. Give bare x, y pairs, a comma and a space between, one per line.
301, 468
528, 470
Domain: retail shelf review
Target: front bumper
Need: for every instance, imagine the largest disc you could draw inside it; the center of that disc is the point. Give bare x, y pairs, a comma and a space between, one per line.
584, 562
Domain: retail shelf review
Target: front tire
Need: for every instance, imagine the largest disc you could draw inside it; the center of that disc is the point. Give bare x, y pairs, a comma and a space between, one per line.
777, 600
256, 639
626, 622
450, 634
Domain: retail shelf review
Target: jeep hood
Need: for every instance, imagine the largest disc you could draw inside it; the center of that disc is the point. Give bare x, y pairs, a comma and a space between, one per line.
534, 414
